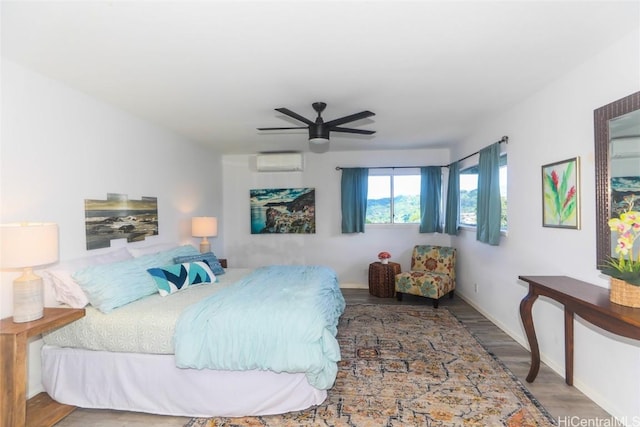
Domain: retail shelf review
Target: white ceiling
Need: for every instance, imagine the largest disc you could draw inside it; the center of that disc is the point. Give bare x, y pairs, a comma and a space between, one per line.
215, 70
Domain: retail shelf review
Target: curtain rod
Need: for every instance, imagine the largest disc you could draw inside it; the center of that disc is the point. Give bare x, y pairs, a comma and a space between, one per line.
504, 139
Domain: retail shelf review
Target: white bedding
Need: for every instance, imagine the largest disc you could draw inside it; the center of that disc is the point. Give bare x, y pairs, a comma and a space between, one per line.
143, 326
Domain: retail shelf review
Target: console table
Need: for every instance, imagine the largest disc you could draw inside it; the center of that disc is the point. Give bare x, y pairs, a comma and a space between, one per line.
584, 299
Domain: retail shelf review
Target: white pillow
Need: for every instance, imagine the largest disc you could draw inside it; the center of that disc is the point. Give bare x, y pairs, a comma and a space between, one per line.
67, 290
153, 249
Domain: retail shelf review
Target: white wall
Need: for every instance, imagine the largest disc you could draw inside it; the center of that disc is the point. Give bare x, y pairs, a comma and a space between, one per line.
349, 254
555, 124
60, 147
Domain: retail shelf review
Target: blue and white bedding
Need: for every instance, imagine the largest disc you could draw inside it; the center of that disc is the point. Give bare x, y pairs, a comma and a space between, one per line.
146, 325
278, 318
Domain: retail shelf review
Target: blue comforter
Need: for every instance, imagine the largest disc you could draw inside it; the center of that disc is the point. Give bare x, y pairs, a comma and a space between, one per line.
278, 318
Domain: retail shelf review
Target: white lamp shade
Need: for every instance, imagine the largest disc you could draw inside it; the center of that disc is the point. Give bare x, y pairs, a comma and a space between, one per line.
28, 244
204, 226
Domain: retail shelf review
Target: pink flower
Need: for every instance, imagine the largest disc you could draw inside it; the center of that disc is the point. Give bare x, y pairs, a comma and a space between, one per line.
384, 255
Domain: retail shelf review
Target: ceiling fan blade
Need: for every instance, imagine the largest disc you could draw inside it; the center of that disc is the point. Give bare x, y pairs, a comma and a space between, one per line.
350, 118
294, 115
299, 127
349, 130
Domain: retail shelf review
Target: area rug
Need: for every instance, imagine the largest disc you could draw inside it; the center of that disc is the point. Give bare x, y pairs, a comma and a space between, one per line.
410, 366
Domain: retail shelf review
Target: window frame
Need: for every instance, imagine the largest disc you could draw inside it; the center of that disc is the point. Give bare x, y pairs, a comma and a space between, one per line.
392, 172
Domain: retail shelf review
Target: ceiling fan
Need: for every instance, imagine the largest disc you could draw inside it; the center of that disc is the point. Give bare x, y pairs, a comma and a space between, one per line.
319, 130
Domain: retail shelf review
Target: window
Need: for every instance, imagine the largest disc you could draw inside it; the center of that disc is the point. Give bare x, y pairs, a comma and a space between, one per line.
393, 197
469, 194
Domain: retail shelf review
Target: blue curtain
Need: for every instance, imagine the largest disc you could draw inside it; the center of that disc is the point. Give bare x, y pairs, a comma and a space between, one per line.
430, 196
453, 200
354, 186
489, 209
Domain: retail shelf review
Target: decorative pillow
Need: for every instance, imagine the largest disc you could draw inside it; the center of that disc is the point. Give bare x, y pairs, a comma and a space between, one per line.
67, 290
207, 257
176, 277
113, 285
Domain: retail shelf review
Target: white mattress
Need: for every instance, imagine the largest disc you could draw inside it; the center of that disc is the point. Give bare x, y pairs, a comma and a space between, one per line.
143, 326
152, 383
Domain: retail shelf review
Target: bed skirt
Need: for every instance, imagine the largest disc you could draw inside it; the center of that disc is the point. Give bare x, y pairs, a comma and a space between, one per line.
152, 383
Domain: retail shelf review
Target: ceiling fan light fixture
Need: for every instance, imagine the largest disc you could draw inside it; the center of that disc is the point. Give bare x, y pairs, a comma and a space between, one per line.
318, 141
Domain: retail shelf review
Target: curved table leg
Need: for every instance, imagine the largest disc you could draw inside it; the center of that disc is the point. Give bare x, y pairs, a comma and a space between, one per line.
526, 306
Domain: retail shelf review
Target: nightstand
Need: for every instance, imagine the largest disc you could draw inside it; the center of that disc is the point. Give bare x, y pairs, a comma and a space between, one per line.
382, 279
41, 410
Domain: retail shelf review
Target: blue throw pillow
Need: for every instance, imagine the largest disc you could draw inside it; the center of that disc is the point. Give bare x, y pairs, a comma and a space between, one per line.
176, 277
207, 257
113, 285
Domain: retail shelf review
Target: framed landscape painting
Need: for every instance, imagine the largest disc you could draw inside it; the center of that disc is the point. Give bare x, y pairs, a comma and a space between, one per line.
625, 191
117, 217
560, 195
283, 210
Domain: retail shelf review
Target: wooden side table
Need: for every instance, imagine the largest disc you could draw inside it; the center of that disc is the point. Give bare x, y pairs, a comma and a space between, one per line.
41, 410
382, 279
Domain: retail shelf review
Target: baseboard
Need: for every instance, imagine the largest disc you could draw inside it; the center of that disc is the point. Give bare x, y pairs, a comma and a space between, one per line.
353, 286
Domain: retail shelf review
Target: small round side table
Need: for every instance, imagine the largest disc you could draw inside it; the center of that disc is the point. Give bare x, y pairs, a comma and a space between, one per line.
382, 279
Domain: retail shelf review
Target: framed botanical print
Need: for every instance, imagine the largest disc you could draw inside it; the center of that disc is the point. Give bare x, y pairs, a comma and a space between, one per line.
560, 194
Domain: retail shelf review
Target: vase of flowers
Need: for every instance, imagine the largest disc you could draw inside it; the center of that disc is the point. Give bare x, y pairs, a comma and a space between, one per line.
625, 269
384, 257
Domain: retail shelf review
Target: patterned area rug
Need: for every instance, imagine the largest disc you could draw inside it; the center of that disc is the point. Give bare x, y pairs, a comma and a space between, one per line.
410, 366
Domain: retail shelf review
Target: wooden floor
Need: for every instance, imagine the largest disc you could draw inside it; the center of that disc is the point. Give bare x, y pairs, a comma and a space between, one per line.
560, 400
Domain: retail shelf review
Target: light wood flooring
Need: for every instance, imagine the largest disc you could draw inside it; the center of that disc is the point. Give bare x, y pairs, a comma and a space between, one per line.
560, 400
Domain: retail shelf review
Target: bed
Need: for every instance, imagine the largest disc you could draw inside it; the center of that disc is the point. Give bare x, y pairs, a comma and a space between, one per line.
205, 350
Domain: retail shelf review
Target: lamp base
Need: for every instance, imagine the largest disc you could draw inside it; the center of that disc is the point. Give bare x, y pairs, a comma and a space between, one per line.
205, 247
28, 297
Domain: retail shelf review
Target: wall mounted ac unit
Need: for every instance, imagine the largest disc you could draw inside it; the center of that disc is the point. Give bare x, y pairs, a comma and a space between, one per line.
625, 148
279, 162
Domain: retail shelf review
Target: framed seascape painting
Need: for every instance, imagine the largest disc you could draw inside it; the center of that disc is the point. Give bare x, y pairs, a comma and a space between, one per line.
117, 217
283, 210
560, 195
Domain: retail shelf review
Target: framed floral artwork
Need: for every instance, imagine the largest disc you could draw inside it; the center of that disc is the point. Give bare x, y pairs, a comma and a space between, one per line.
560, 194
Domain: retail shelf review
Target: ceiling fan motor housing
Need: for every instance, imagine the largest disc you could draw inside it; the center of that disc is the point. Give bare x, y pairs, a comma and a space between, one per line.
318, 130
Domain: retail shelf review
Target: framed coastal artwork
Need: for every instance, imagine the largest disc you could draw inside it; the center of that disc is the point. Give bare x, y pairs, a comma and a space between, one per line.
625, 193
283, 210
560, 194
117, 217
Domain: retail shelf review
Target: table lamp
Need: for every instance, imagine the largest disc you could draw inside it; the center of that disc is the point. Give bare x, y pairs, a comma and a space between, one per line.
27, 245
204, 226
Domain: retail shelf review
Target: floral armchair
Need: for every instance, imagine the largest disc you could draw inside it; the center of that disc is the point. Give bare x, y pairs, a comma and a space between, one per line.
432, 274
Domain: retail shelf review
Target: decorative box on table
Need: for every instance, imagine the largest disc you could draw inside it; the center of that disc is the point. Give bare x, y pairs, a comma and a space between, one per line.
382, 279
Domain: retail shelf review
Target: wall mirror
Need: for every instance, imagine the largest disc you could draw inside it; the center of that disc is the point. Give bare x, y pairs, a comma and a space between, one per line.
617, 161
